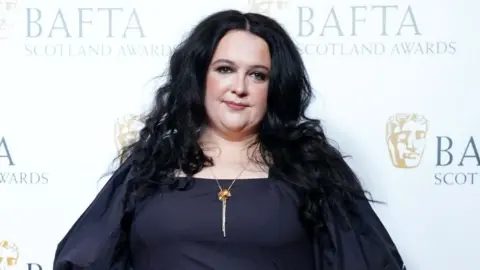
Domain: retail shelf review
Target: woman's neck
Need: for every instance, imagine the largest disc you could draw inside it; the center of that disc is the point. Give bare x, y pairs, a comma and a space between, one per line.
225, 151
232, 157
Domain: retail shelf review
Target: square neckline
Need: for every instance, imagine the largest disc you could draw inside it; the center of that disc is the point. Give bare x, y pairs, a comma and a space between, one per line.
269, 174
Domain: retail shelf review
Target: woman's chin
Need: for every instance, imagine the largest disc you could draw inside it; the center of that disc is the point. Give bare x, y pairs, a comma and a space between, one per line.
234, 127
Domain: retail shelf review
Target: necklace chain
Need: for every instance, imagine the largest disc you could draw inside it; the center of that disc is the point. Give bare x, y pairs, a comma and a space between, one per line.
233, 182
223, 196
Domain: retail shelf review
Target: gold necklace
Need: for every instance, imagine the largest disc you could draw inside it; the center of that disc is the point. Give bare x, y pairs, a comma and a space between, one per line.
223, 195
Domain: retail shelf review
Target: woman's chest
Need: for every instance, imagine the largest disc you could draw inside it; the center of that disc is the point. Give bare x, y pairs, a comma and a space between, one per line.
258, 212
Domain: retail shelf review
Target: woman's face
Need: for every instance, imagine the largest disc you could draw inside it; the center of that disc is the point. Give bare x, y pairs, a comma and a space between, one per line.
237, 84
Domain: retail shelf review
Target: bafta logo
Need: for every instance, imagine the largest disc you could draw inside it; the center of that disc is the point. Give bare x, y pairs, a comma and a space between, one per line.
127, 129
8, 255
266, 7
406, 139
7, 8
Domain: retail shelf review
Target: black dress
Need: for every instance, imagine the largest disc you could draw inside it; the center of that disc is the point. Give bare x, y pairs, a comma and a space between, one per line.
182, 230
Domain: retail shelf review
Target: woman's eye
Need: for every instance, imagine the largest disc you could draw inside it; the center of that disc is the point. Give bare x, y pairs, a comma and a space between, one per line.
224, 69
259, 76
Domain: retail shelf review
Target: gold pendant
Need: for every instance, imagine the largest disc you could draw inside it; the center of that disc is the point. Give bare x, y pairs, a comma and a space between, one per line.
223, 196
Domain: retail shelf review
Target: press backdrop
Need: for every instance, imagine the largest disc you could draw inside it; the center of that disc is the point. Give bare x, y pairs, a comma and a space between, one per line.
396, 85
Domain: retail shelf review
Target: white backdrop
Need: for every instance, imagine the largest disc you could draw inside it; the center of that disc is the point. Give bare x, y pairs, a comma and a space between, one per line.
66, 88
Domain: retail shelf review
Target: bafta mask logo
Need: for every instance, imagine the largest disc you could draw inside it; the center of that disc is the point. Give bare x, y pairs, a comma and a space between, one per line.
406, 139
127, 129
266, 7
9, 254
7, 8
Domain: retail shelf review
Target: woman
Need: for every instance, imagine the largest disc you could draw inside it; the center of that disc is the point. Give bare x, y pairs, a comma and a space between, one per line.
228, 172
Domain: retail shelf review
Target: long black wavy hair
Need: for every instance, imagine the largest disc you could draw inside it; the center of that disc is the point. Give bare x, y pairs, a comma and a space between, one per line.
292, 145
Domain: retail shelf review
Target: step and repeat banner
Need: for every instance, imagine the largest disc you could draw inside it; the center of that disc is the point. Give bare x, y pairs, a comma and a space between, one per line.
396, 86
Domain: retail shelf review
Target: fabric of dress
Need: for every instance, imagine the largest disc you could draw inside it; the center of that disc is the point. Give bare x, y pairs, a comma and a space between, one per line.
99, 233
182, 230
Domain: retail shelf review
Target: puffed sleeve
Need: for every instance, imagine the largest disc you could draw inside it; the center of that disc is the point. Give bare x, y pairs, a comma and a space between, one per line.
97, 236
364, 245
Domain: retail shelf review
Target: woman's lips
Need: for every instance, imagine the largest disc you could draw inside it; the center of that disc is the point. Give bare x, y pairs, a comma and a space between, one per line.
235, 105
